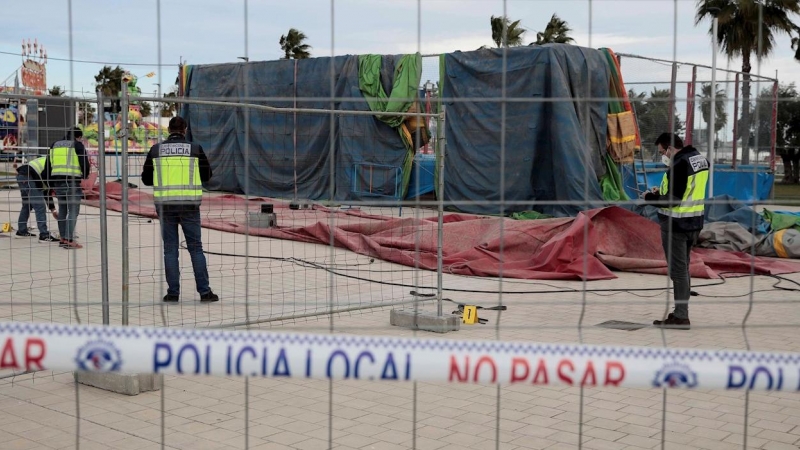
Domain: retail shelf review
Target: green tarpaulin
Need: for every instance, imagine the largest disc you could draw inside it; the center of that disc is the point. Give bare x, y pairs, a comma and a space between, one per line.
780, 221
407, 75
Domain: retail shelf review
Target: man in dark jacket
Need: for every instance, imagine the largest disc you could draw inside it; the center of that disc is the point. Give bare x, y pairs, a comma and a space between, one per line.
680, 199
67, 165
175, 168
35, 193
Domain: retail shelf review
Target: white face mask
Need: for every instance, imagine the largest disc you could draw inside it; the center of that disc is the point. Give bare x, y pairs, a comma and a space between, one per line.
666, 160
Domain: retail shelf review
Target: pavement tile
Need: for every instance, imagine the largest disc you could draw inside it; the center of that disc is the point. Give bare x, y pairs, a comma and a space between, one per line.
208, 412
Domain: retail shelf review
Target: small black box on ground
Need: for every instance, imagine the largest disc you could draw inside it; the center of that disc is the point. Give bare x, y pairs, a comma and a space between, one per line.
266, 208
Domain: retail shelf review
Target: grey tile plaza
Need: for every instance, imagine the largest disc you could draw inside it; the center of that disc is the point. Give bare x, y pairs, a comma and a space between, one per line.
47, 284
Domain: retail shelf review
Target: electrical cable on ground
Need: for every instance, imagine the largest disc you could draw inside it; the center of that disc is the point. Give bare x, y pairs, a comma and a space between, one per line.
336, 270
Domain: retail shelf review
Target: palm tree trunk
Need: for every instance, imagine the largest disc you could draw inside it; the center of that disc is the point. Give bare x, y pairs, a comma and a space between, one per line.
745, 123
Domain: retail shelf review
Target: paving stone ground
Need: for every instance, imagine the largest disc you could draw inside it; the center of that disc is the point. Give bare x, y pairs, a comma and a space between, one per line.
40, 410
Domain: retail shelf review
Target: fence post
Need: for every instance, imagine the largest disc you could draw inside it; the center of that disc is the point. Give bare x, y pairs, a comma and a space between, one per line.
672, 97
690, 94
101, 176
440, 141
124, 135
773, 134
735, 117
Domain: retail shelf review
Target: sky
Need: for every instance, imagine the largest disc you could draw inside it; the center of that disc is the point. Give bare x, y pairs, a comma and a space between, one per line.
207, 32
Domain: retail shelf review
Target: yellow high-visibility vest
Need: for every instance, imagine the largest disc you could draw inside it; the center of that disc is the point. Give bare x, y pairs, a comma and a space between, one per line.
38, 164
64, 160
177, 175
693, 199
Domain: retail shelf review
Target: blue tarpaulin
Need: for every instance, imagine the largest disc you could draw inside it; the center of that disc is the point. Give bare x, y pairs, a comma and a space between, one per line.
745, 183
553, 148
422, 176
284, 147
553, 137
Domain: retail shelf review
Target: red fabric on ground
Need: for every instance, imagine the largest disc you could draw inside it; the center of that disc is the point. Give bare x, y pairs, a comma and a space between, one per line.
532, 249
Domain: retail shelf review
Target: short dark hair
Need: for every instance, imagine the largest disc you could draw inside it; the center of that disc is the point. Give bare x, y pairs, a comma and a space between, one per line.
670, 139
177, 123
74, 133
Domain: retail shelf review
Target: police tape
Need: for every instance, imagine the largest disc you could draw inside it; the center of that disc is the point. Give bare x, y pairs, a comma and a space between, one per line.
31, 346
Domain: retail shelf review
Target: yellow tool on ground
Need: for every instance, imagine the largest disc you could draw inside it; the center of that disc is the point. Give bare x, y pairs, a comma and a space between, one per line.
7, 228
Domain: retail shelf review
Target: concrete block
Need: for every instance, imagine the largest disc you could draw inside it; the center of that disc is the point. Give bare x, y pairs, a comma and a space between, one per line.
121, 383
262, 220
424, 320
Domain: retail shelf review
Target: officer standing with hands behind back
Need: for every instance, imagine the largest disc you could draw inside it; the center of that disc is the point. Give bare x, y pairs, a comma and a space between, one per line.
681, 208
176, 168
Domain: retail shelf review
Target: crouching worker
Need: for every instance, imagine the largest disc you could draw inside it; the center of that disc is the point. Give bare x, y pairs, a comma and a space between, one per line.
35, 194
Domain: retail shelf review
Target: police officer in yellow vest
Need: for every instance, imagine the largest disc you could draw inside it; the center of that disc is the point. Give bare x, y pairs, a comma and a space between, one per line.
176, 169
681, 203
35, 193
67, 165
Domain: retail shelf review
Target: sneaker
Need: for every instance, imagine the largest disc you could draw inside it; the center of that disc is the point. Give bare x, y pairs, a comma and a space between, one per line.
70, 245
48, 239
62, 243
673, 322
24, 234
171, 298
209, 297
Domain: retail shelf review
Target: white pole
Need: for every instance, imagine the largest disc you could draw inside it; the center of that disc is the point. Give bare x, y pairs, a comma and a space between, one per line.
713, 109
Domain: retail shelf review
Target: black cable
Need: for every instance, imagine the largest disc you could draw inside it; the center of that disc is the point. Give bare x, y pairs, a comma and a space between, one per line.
105, 63
310, 264
775, 286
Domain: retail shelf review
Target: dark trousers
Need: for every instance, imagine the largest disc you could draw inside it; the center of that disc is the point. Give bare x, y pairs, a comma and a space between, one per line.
32, 198
677, 249
69, 195
188, 217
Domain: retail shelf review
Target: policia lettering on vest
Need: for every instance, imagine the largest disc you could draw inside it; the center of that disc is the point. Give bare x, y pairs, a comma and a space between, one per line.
681, 208
177, 169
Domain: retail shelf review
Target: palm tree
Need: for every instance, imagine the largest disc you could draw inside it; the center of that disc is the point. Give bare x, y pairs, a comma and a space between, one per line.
652, 113
556, 32
145, 109
738, 32
57, 91
293, 46
506, 33
720, 115
109, 81
170, 109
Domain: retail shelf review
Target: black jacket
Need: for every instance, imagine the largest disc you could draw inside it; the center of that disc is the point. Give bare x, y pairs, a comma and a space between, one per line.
197, 151
678, 176
27, 171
